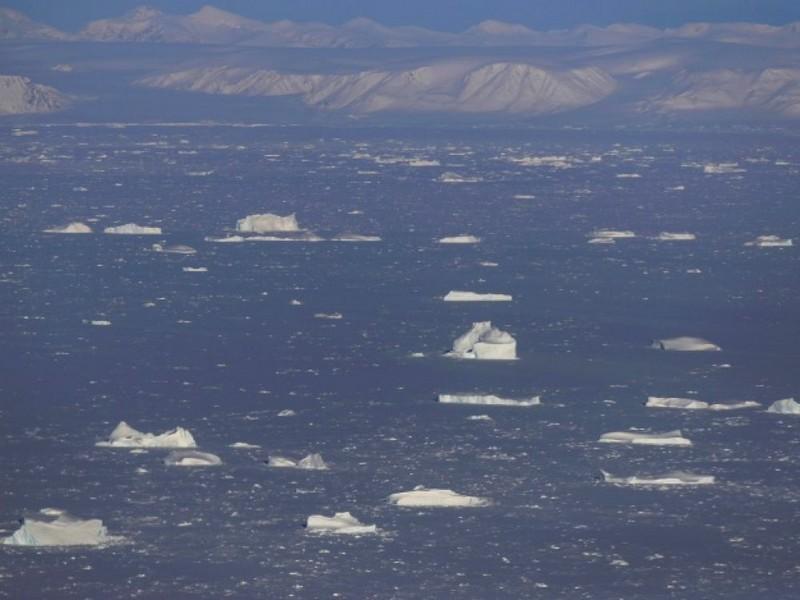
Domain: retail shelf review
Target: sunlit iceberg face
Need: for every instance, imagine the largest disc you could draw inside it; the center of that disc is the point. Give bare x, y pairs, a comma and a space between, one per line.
484, 342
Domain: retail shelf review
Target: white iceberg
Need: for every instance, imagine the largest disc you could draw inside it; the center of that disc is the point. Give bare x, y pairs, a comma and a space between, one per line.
685, 344
243, 446
74, 227
692, 404
666, 236
230, 239
100, 322
787, 406
484, 342
192, 458
451, 177
354, 237
722, 168
671, 478
174, 249
330, 316
459, 296
64, 530
133, 229
422, 496
612, 234
266, 223
340, 523
195, 269
602, 240
670, 438
770, 241
125, 436
488, 400
460, 239
312, 462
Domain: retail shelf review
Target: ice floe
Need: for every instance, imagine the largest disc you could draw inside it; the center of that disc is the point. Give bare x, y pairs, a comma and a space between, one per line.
787, 406
484, 342
488, 400
770, 241
666, 236
192, 458
612, 234
451, 177
339, 523
125, 436
722, 168
602, 240
692, 404
460, 239
133, 229
669, 438
422, 496
671, 478
267, 222
100, 323
306, 236
195, 269
74, 227
312, 462
63, 530
356, 238
244, 446
459, 296
330, 316
685, 344
174, 249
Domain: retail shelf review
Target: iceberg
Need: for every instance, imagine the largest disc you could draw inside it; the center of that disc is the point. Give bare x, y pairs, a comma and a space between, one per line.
685, 344
666, 236
192, 458
787, 406
422, 496
671, 478
195, 269
487, 399
125, 436
722, 168
484, 342
770, 241
691, 404
612, 234
451, 177
602, 240
670, 438
266, 223
354, 237
460, 239
330, 316
341, 523
459, 296
174, 249
74, 227
312, 462
133, 229
243, 446
63, 530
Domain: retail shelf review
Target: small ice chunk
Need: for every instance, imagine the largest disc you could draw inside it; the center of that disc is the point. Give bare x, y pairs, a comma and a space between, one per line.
63, 530
487, 399
267, 222
422, 496
100, 323
685, 344
356, 238
195, 269
312, 462
612, 234
484, 342
244, 446
451, 177
787, 406
670, 438
770, 241
192, 458
460, 239
287, 412
602, 240
692, 404
125, 436
339, 523
722, 168
133, 229
174, 249
671, 478
74, 227
333, 316
666, 236
459, 296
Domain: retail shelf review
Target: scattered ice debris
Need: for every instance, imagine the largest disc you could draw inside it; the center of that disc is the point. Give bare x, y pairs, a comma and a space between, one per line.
340, 523
685, 344
100, 323
267, 222
722, 168
174, 249
353, 237
422, 496
312, 462
488, 400
612, 234
244, 446
459, 296
770, 241
670, 438
451, 177
691, 404
460, 239
628, 176
556, 162
192, 458
334, 316
671, 478
666, 236
63, 530
195, 269
484, 342
133, 229
125, 436
287, 412
479, 418
787, 406
74, 227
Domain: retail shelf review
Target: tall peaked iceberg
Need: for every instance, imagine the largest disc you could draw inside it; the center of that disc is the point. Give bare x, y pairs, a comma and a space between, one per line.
484, 342
125, 436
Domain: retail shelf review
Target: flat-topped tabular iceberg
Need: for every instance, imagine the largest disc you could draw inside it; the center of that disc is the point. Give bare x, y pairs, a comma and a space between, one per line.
422, 496
74, 227
355, 238
174, 249
770, 241
460, 239
63, 530
459, 296
312, 462
341, 523
133, 229
267, 222
691, 404
612, 234
670, 438
666, 236
487, 399
125, 436
671, 478
685, 344
787, 406
192, 458
484, 342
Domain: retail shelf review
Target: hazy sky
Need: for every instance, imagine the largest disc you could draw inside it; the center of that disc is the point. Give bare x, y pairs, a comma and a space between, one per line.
450, 15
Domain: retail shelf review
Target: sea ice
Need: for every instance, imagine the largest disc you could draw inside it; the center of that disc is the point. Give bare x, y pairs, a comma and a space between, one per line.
460, 239
133, 229
602, 240
722, 168
354, 237
484, 342
671, 478
787, 406
666, 236
612, 234
192, 458
451, 177
670, 438
125, 436
422, 496
174, 249
330, 316
459, 296
266, 223
244, 446
63, 530
770, 241
74, 227
312, 462
195, 269
691, 404
685, 344
487, 399
341, 523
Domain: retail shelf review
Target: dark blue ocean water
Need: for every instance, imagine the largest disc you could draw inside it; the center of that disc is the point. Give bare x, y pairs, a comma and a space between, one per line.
222, 352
